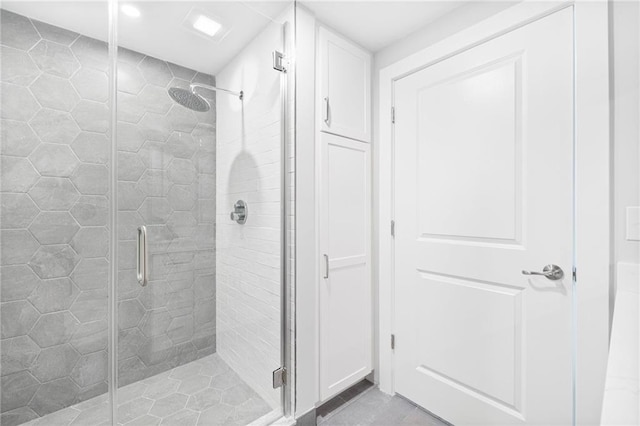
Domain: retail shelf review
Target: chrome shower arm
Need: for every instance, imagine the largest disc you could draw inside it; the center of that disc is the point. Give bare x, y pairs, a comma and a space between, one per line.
195, 86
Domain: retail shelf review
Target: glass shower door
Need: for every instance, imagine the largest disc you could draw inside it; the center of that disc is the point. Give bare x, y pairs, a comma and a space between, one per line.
199, 146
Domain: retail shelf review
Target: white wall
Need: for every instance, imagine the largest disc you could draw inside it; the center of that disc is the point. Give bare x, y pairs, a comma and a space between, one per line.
248, 256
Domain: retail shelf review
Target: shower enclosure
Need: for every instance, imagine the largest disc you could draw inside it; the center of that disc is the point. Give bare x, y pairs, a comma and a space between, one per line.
146, 211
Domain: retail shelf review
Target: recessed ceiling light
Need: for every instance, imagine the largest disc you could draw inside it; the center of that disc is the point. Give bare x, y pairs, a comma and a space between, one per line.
207, 25
130, 10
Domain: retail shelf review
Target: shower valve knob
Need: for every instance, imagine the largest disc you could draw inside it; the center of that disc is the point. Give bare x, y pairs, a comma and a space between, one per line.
240, 211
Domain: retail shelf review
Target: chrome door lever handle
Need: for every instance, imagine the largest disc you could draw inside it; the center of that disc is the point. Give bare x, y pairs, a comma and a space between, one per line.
551, 272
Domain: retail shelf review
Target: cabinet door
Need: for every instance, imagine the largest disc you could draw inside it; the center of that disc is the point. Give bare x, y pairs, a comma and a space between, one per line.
345, 79
345, 293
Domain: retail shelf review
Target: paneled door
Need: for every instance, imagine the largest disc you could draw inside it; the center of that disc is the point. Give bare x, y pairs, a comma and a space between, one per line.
483, 193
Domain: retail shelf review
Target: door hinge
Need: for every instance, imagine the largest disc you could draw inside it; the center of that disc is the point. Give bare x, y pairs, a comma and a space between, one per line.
393, 228
279, 377
393, 341
278, 61
393, 114
574, 272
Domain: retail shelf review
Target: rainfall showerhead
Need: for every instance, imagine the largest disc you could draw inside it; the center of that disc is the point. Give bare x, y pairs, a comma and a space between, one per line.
195, 102
189, 99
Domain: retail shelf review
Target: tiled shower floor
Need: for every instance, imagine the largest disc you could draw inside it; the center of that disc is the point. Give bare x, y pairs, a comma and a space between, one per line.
204, 392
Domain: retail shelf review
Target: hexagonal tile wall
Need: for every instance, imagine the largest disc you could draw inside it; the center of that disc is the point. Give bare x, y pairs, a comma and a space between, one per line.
55, 154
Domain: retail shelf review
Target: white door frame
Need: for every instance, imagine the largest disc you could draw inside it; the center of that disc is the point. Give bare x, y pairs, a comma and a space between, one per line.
592, 185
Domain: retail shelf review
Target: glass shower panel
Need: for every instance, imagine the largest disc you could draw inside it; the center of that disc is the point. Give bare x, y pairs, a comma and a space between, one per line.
54, 242
199, 140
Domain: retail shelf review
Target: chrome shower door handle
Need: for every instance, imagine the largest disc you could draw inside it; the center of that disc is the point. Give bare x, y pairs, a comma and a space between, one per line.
326, 110
141, 257
326, 266
551, 272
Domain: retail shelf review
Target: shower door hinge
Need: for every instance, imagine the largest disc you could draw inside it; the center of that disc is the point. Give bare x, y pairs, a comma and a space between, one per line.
393, 341
393, 228
575, 274
279, 377
278, 61
393, 115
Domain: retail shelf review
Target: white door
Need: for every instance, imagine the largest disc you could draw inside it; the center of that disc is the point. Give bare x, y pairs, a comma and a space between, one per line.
345, 290
345, 79
483, 190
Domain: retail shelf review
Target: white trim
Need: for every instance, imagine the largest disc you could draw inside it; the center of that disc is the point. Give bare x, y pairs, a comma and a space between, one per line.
592, 182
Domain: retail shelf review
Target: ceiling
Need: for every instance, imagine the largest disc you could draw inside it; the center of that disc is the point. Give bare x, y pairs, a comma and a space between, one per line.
159, 30
377, 24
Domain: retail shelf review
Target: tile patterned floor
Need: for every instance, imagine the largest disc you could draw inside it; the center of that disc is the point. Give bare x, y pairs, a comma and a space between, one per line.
365, 405
205, 392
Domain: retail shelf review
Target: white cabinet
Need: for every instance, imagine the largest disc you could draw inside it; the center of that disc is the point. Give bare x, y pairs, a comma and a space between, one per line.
345, 292
344, 72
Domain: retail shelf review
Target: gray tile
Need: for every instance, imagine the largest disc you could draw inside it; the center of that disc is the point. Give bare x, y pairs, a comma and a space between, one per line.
54, 160
128, 223
55, 126
155, 71
130, 167
17, 31
53, 33
54, 92
169, 405
92, 147
54, 227
17, 66
182, 171
251, 410
130, 312
17, 318
130, 392
16, 211
129, 108
91, 179
204, 135
54, 58
204, 399
17, 102
91, 305
130, 79
129, 57
155, 155
155, 99
53, 295
55, 362
92, 415
162, 388
91, 241
91, 116
130, 136
91, 52
238, 394
59, 418
16, 246
16, 390
155, 127
53, 329
181, 119
54, 193
90, 337
18, 354
181, 328
17, 138
182, 145
155, 211
155, 183
181, 72
220, 414
182, 224
206, 162
91, 369
54, 261
91, 210
146, 420
182, 197
17, 416
156, 322
91, 84
194, 384
134, 409
204, 79
54, 396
